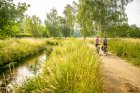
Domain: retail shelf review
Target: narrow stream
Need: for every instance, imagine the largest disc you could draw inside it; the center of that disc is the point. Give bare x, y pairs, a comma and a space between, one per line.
18, 74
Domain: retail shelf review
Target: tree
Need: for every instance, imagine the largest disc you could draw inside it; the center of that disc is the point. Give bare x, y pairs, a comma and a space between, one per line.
123, 30
45, 31
134, 31
69, 17
52, 23
10, 15
33, 26
84, 18
63, 27
101, 14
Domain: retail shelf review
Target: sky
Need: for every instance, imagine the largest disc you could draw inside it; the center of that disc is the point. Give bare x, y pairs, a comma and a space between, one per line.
41, 7
133, 12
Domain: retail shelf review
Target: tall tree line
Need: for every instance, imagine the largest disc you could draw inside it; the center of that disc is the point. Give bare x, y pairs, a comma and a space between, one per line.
86, 17
61, 26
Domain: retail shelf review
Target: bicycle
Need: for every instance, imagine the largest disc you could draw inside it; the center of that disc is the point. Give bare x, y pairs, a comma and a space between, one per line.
98, 49
105, 50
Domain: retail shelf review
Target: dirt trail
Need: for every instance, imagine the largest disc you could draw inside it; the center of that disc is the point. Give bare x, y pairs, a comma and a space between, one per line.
119, 76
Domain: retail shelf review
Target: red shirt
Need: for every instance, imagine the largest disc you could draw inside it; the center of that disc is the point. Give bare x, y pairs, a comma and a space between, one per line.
97, 41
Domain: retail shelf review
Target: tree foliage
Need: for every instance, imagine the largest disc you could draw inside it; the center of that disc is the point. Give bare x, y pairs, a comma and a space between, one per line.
63, 27
51, 23
101, 14
123, 30
10, 15
33, 26
69, 14
107, 17
84, 18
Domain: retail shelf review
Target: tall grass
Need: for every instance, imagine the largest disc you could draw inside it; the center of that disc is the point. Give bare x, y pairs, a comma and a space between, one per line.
126, 48
15, 49
71, 68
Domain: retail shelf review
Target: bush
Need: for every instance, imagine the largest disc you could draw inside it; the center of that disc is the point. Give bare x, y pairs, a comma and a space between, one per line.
23, 35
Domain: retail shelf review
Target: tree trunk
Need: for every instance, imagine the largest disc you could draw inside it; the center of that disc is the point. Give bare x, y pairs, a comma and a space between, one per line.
84, 38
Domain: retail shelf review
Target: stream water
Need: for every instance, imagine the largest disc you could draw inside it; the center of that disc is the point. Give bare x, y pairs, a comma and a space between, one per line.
27, 68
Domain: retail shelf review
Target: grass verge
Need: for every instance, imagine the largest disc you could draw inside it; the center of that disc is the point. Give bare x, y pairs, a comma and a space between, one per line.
13, 49
128, 49
71, 68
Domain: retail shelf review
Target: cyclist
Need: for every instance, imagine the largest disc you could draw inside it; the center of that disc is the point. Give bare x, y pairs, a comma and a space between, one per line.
97, 44
105, 41
104, 47
97, 41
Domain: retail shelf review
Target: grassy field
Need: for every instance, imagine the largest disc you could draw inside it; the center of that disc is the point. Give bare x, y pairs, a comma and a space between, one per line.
71, 68
126, 48
12, 50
